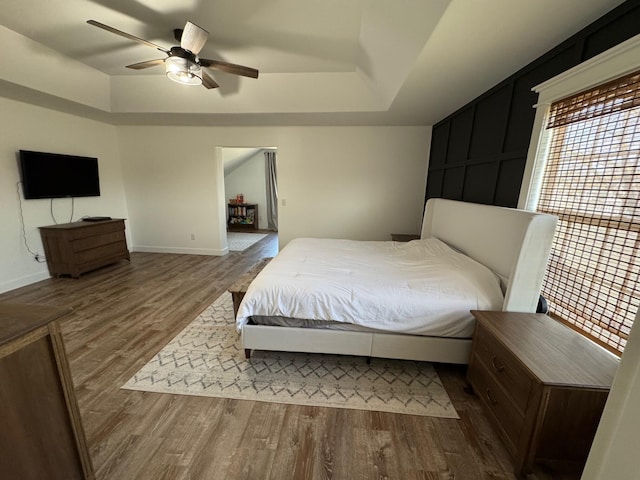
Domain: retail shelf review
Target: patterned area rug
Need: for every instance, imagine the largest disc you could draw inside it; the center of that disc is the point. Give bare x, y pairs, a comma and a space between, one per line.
239, 241
206, 359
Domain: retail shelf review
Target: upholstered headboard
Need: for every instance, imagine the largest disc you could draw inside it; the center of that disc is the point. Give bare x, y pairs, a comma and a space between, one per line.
515, 244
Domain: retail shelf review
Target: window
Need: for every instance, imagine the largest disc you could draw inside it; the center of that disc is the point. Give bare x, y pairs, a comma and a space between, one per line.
590, 179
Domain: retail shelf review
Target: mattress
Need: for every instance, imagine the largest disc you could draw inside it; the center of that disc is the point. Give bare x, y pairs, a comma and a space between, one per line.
422, 287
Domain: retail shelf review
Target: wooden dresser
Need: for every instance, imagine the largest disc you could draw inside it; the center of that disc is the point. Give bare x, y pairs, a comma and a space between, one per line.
42, 435
79, 247
543, 385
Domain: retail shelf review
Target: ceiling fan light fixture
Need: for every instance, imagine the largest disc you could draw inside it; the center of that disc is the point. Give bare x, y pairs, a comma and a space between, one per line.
182, 64
184, 71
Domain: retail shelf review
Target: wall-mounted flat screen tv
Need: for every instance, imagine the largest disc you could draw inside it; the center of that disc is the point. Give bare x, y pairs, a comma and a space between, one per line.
53, 175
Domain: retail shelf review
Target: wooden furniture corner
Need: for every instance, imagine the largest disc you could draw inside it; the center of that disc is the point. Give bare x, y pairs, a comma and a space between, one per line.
239, 287
42, 434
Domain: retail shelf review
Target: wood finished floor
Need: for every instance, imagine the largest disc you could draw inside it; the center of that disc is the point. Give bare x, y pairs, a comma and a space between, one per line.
124, 314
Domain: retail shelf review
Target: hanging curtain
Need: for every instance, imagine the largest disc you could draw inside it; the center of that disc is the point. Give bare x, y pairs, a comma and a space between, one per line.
272, 190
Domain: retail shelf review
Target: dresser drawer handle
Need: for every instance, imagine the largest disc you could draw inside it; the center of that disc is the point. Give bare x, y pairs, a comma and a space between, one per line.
499, 368
490, 398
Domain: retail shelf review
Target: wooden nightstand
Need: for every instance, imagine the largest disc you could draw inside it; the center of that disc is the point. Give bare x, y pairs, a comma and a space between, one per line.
542, 384
404, 237
239, 287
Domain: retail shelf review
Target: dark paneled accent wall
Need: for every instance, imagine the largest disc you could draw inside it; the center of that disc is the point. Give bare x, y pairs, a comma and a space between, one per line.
478, 153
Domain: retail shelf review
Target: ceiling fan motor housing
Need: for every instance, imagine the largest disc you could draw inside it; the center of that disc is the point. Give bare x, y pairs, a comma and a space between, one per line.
183, 66
182, 53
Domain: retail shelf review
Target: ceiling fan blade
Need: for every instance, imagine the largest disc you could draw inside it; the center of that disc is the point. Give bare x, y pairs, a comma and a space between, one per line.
230, 68
208, 81
193, 38
126, 35
147, 64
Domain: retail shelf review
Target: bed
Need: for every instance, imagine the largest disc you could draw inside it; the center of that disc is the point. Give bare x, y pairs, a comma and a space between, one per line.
368, 298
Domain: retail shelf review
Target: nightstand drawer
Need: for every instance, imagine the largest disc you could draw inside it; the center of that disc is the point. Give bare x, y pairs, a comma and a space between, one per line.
504, 367
497, 401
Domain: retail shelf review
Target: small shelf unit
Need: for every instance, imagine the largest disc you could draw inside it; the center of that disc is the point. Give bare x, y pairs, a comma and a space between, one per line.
242, 216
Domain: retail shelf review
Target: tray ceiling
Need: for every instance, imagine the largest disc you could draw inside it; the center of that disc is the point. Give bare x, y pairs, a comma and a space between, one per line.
329, 62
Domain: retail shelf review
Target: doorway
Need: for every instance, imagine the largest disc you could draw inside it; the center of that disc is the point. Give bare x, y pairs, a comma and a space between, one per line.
251, 194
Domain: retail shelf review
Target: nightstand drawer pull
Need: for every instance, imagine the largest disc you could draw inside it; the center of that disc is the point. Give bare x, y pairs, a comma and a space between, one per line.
499, 368
489, 397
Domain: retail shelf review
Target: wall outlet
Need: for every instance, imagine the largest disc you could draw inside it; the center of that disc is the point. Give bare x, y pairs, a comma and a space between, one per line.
193, 236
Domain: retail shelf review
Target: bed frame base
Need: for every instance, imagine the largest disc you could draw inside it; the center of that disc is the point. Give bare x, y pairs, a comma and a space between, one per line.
365, 344
514, 244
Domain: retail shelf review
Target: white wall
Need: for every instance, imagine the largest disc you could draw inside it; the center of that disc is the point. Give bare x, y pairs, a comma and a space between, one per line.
170, 176
348, 182
338, 182
29, 127
249, 178
614, 451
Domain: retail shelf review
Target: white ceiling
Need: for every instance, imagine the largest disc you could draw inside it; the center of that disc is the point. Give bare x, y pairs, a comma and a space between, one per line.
406, 62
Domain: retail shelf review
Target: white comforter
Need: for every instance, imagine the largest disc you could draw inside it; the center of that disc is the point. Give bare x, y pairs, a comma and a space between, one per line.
421, 287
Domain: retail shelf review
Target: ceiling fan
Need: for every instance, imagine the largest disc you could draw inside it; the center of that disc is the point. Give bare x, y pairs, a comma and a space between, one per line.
182, 63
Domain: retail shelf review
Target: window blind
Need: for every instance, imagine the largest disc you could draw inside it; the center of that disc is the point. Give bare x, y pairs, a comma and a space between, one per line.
615, 96
591, 181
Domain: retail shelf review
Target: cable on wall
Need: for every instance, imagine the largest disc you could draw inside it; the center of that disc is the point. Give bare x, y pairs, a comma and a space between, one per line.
53, 217
37, 257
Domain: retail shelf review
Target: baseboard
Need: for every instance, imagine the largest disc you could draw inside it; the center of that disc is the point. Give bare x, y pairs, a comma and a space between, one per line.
181, 250
23, 281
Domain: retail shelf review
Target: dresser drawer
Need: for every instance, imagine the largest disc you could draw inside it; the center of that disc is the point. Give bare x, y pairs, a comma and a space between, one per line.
88, 243
90, 229
496, 401
505, 368
111, 250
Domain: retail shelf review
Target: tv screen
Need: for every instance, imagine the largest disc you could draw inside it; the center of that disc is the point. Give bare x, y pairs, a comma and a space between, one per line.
52, 175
